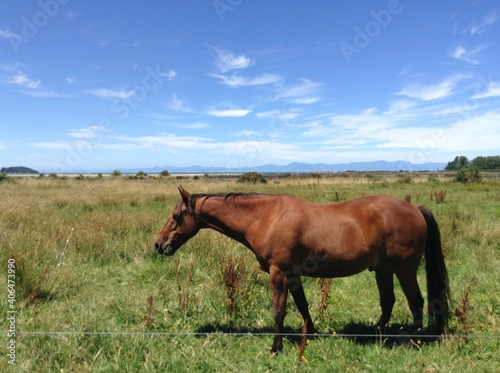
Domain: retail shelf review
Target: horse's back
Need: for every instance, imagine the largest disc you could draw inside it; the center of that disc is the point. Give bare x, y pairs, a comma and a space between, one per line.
355, 234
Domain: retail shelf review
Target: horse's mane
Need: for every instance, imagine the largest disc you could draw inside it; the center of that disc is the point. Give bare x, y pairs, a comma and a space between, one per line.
226, 197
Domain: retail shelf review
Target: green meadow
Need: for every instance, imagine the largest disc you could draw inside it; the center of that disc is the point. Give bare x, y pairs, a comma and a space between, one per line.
92, 295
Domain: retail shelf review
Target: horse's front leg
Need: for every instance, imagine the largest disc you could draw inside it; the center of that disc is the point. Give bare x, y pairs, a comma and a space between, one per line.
280, 292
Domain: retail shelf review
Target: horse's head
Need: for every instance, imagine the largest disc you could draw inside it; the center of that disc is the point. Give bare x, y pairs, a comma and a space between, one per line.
180, 226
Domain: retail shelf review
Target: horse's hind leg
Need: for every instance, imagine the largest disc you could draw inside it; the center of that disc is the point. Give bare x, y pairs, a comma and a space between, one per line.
409, 284
295, 286
385, 284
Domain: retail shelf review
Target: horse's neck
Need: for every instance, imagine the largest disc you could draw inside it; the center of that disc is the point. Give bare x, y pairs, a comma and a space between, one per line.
229, 216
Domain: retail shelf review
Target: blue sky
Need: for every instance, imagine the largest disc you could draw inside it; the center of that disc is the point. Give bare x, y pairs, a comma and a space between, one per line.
89, 85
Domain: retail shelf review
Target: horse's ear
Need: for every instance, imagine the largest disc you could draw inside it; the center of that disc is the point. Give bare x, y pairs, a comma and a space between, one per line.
185, 195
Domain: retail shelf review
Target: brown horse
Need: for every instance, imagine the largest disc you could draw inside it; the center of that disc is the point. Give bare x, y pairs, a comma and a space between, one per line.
292, 237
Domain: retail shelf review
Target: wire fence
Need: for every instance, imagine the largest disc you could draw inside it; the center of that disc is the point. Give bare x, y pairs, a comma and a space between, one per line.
260, 334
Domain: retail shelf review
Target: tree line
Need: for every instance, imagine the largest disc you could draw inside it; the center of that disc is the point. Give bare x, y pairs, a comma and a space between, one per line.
481, 163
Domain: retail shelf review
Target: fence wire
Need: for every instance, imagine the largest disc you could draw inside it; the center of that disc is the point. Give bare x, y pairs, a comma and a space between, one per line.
260, 334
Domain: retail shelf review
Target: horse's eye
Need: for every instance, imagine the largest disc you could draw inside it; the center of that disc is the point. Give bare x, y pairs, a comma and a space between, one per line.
177, 218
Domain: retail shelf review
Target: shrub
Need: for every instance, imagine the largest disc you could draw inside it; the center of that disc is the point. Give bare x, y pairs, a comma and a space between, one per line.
405, 179
468, 175
165, 173
251, 177
116, 173
141, 175
4, 178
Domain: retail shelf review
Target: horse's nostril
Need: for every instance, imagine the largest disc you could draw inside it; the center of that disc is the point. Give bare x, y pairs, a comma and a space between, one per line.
157, 246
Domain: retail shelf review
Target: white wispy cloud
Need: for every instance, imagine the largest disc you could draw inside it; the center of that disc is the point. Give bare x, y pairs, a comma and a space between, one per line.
282, 115
369, 125
178, 105
305, 100
250, 150
431, 91
304, 92
228, 112
400, 107
169, 75
246, 133
163, 141
23, 80
236, 80
108, 94
10, 36
481, 26
195, 125
12, 67
410, 130
467, 55
15, 76
90, 132
493, 90
465, 135
42, 93
404, 125
227, 61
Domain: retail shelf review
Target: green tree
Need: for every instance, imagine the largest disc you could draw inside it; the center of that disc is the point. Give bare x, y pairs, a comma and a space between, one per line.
486, 163
116, 173
165, 173
458, 163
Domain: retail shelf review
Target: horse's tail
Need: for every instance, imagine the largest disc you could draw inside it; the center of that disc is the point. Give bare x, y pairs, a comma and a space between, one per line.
437, 276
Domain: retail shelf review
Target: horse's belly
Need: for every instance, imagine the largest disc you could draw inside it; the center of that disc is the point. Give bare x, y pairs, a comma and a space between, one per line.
341, 266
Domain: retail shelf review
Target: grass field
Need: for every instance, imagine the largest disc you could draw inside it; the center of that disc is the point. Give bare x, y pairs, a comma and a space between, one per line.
92, 295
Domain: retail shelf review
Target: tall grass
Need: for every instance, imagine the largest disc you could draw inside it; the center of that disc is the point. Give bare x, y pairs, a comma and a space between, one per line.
111, 280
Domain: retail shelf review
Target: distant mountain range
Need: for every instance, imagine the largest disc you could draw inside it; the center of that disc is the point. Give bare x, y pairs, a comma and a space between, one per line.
298, 167
295, 167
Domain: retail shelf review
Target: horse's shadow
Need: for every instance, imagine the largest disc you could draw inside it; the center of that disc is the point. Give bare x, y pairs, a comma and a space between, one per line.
356, 332
394, 335
289, 333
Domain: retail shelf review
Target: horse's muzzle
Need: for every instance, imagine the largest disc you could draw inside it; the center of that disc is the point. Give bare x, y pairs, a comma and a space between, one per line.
165, 249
